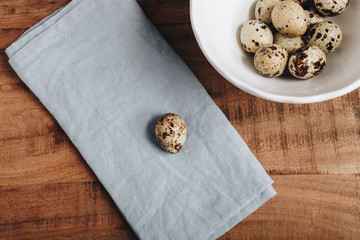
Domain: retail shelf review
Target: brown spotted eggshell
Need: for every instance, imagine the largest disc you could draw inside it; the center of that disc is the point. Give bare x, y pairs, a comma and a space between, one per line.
328, 36
289, 18
171, 132
271, 60
331, 7
255, 34
314, 18
302, 1
307, 62
290, 44
263, 10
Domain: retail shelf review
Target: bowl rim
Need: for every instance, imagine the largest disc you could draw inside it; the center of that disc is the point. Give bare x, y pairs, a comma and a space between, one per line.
259, 93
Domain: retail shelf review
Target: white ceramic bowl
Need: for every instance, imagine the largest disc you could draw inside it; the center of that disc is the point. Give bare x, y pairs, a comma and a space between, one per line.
216, 25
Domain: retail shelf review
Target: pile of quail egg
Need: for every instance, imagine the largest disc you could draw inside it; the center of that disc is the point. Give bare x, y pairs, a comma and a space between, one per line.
293, 34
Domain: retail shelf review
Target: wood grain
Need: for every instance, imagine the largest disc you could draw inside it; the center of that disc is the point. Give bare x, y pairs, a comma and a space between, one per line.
316, 206
48, 192
311, 207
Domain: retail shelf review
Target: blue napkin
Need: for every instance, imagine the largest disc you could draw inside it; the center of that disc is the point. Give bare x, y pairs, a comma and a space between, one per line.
106, 74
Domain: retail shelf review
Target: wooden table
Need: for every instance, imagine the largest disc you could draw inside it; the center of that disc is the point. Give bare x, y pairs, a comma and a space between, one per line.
311, 151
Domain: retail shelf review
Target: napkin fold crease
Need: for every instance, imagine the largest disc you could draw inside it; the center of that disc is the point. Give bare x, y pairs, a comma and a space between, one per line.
105, 73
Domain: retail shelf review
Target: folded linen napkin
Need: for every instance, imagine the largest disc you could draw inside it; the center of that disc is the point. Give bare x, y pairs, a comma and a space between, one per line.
107, 75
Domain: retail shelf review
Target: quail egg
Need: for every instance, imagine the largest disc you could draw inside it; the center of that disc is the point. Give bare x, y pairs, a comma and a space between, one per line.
170, 131
263, 10
313, 18
331, 7
289, 18
327, 36
290, 44
255, 34
271, 60
307, 62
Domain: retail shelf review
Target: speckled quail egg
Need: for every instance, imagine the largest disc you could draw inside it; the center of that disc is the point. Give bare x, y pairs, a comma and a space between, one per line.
289, 18
307, 62
290, 44
263, 10
331, 7
313, 18
255, 34
327, 36
170, 131
271, 60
